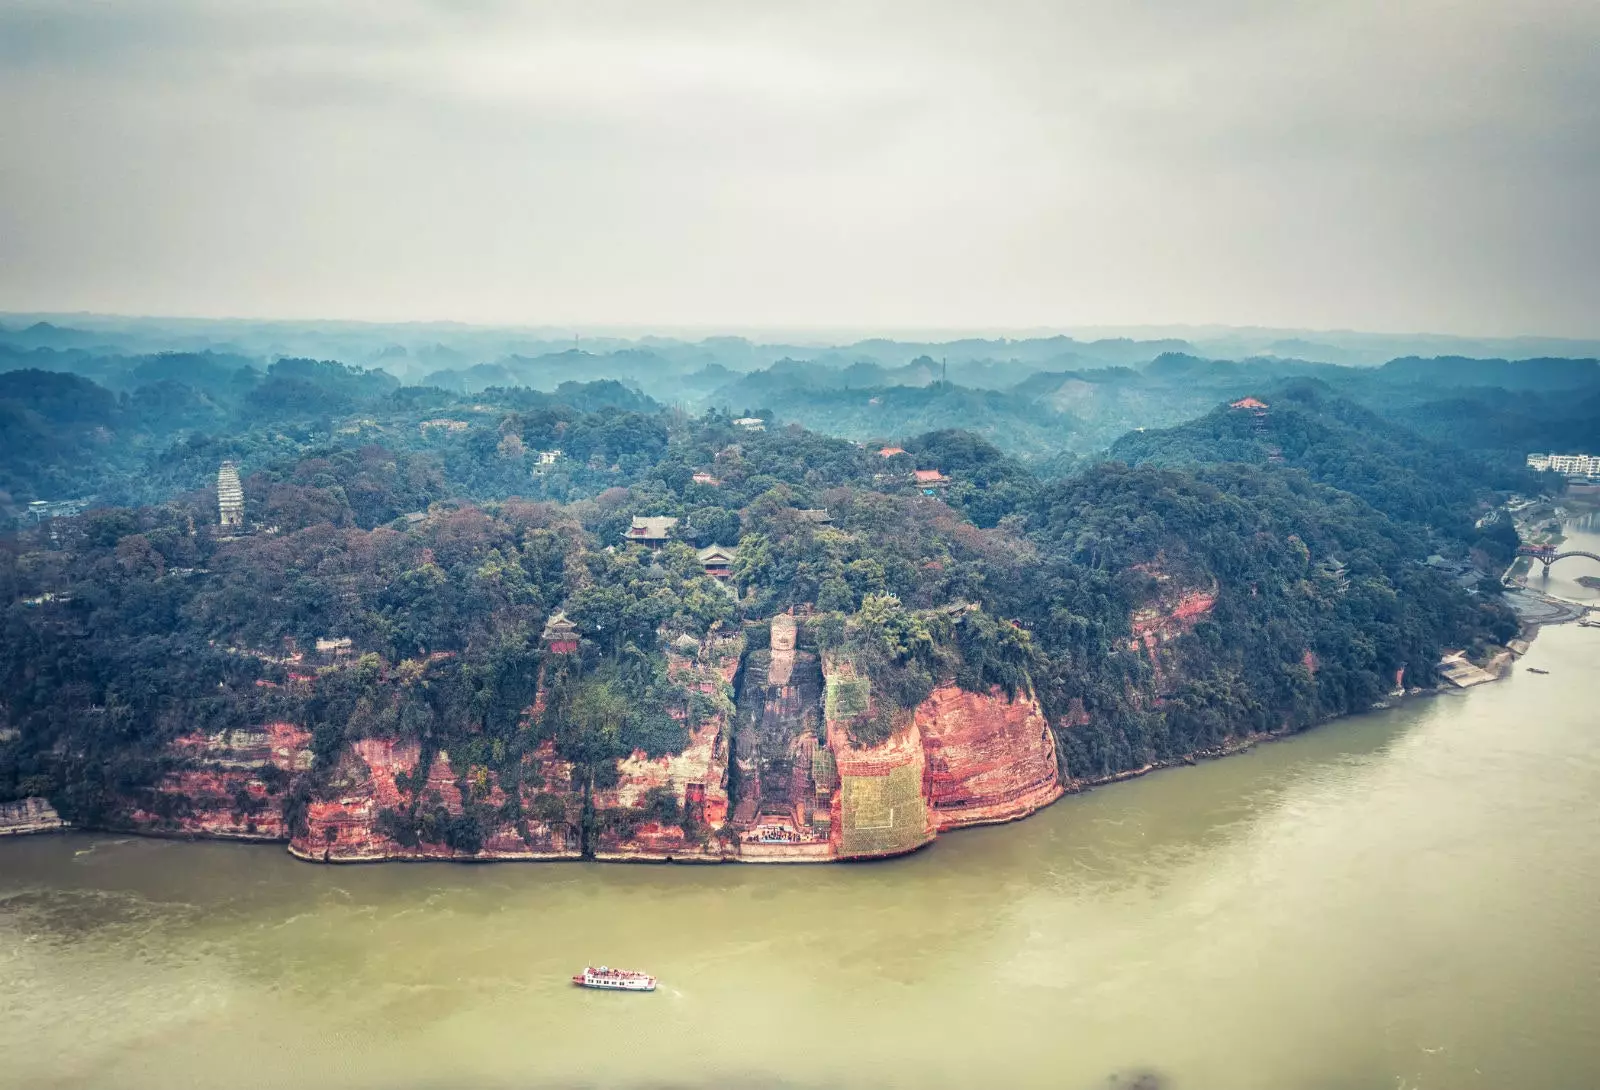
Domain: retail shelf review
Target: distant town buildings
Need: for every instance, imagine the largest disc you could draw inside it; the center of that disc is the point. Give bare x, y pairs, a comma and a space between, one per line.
443, 424
549, 457
230, 496
890, 452
751, 423
39, 510
1570, 465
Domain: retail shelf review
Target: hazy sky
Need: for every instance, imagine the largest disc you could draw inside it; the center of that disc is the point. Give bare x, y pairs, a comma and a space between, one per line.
1377, 164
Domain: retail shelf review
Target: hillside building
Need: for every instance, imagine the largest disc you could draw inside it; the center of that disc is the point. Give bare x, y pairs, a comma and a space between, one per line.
230, 496
654, 531
1570, 465
560, 635
717, 560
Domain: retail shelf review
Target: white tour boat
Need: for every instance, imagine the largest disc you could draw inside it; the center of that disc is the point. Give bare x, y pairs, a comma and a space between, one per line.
622, 980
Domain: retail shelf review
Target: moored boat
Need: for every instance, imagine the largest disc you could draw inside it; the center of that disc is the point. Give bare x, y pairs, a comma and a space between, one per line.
623, 980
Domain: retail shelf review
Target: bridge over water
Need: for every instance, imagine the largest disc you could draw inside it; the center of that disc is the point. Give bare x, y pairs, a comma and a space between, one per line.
1547, 554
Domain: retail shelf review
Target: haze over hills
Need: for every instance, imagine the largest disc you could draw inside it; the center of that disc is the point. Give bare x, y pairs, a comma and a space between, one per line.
411, 350
116, 410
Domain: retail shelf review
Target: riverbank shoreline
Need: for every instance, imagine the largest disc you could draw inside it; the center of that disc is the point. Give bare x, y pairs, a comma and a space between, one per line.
35, 816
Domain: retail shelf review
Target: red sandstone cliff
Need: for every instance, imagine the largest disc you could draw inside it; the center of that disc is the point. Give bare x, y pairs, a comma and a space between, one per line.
989, 758
881, 806
345, 828
1170, 617
697, 777
958, 759
231, 785
377, 776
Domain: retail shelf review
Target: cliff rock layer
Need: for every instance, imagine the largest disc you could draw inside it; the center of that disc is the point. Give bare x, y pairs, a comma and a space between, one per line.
777, 778
881, 806
696, 779
229, 785
377, 784
384, 802
990, 758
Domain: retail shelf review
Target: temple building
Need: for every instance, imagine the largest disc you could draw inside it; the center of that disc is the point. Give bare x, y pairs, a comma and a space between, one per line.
230, 495
930, 480
718, 560
560, 635
652, 531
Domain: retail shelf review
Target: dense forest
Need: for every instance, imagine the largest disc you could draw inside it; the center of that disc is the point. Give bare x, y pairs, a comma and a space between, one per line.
104, 415
437, 532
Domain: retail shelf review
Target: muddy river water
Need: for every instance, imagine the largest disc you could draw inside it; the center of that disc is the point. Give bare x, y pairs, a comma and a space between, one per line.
1409, 898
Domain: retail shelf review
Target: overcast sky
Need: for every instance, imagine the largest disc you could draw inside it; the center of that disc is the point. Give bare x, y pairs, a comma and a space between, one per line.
1375, 164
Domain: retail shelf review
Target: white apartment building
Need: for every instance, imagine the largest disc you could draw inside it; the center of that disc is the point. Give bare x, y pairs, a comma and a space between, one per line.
1571, 465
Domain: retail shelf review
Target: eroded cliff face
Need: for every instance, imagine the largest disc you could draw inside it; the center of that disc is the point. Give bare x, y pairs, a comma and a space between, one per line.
379, 776
378, 805
775, 779
1170, 616
696, 779
990, 758
881, 807
230, 785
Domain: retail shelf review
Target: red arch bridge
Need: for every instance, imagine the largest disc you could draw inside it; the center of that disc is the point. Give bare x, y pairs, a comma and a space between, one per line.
1547, 554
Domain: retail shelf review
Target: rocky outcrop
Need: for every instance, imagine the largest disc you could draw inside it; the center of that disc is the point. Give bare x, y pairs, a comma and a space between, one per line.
383, 802
778, 778
810, 791
990, 758
229, 785
1169, 617
695, 779
881, 806
29, 815
380, 808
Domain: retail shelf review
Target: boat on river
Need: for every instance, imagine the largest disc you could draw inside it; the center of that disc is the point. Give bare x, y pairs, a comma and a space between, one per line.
622, 980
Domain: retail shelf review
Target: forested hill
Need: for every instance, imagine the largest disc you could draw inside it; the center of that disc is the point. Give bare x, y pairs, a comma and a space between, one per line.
1157, 611
85, 423
65, 437
1338, 443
